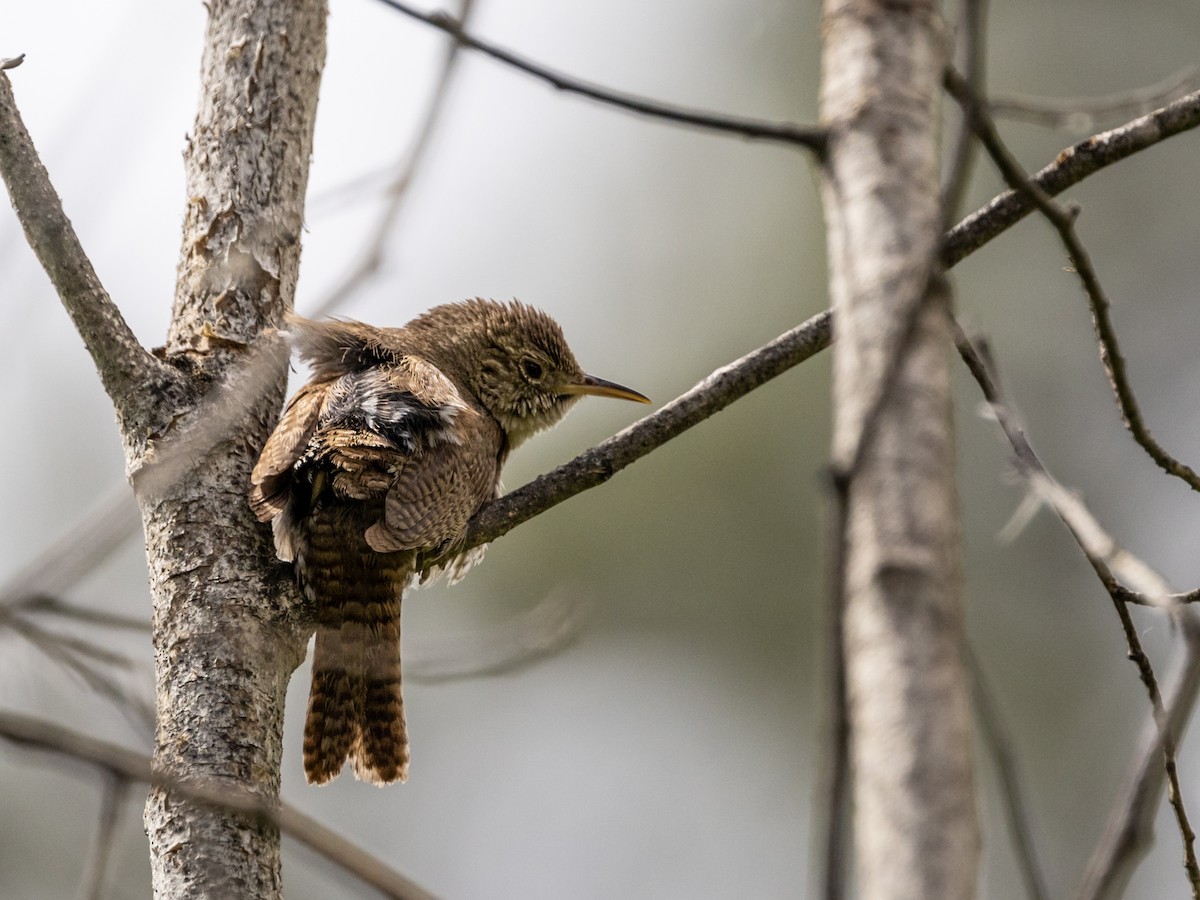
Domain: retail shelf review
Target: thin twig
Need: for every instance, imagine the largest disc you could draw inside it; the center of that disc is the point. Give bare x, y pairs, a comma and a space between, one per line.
116, 788
131, 766
87, 661
1100, 550
1070, 166
972, 29
54, 606
809, 137
125, 367
1081, 113
214, 417
1064, 223
404, 174
1016, 813
1130, 830
76, 647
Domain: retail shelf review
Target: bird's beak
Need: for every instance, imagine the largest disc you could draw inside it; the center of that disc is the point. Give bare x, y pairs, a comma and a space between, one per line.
598, 387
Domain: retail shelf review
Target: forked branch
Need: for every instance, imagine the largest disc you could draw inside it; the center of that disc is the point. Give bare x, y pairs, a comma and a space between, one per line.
125, 367
1063, 221
1106, 559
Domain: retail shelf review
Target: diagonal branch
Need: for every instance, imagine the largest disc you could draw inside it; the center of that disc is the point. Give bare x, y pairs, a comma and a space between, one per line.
129, 765
809, 137
92, 538
1070, 167
95, 872
94, 665
1130, 829
972, 27
595, 466
125, 367
1064, 223
1103, 555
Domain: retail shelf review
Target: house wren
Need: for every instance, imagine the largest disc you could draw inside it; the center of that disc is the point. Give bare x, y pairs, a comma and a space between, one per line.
378, 463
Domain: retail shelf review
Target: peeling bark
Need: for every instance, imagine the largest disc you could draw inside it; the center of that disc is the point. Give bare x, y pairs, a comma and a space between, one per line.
916, 833
228, 626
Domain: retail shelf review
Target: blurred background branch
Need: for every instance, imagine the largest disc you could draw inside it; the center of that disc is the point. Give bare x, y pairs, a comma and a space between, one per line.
1113, 565
126, 766
1083, 113
810, 137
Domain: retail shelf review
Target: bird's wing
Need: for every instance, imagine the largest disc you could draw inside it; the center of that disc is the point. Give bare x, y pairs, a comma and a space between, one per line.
451, 456
402, 429
270, 479
407, 430
430, 502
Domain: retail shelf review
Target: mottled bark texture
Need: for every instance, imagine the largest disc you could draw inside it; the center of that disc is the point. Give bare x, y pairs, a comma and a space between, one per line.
227, 628
916, 833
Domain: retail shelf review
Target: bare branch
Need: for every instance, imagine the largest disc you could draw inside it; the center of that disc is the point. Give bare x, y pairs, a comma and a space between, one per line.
595, 466
125, 367
131, 766
809, 137
1100, 551
972, 28
1082, 113
42, 603
215, 417
1070, 166
228, 625
1064, 223
89, 662
1130, 830
916, 829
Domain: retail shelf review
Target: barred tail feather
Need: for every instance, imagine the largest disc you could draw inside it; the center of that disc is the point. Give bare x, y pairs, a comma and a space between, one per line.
381, 752
355, 707
334, 707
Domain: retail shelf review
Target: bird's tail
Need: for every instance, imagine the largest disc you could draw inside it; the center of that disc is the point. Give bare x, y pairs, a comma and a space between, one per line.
355, 705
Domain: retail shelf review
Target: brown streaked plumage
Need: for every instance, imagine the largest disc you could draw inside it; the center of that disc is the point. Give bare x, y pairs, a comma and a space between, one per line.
382, 458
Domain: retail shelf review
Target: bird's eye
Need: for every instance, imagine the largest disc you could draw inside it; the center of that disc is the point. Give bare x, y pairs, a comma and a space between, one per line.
532, 369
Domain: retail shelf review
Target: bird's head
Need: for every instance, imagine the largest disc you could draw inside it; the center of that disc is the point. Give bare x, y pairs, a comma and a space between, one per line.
515, 359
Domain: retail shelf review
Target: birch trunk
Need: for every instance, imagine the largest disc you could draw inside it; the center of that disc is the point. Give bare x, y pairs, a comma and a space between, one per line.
916, 834
228, 629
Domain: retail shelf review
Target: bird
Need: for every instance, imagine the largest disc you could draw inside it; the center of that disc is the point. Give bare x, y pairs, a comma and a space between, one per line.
375, 468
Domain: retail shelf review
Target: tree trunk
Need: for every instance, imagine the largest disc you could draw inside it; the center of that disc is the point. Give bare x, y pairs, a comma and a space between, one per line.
916, 833
228, 628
